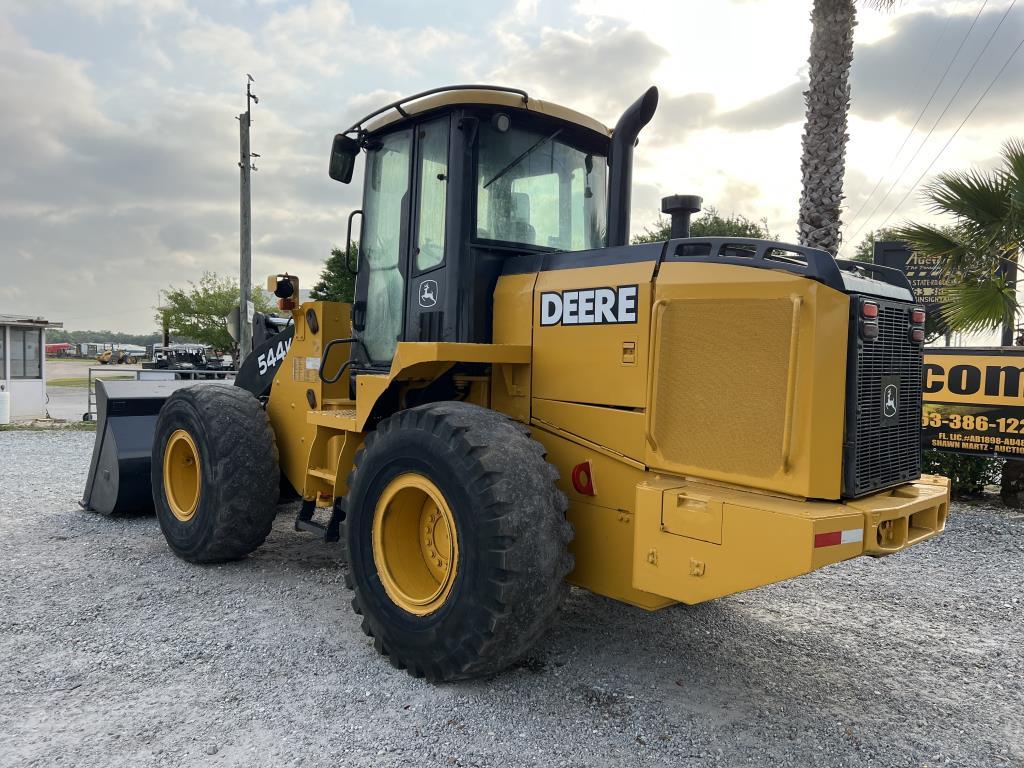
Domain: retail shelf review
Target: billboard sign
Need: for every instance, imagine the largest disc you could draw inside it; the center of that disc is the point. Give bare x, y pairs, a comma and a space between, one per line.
974, 401
923, 272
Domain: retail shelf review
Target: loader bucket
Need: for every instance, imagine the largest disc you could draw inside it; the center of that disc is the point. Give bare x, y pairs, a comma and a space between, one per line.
126, 413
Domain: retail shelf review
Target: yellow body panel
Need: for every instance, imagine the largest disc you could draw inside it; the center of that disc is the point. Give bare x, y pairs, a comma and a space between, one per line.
425, 361
748, 378
589, 363
603, 544
297, 377
764, 539
616, 430
513, 324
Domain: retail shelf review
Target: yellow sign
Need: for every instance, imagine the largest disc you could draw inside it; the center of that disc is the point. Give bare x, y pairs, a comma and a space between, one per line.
974, 400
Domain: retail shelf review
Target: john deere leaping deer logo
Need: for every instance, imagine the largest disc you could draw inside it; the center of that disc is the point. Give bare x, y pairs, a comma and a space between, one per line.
890, 401
428, 293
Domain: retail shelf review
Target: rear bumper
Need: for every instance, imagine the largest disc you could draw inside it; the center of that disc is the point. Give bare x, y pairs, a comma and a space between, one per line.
904, 516
696, 541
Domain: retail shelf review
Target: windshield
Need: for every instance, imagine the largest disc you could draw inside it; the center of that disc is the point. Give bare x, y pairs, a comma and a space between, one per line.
534, 189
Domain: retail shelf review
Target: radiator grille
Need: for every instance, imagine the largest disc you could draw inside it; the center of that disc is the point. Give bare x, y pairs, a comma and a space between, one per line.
880, 450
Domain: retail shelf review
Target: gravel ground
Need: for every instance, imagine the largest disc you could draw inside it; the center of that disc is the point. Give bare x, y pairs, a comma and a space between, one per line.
113, 652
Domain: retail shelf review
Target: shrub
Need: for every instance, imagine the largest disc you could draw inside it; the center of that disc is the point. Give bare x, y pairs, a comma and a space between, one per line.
968, 474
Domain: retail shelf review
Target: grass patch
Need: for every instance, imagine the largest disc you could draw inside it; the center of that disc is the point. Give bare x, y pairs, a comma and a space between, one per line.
37, 426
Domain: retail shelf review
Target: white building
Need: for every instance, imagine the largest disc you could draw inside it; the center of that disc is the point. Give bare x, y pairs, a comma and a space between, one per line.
23, 363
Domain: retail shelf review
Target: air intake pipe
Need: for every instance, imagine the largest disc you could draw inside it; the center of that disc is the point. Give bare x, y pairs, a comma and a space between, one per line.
620, 179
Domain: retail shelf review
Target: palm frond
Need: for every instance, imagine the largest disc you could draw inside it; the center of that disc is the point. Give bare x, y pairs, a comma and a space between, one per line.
955, 254
979, 305
978, 198
1013, 158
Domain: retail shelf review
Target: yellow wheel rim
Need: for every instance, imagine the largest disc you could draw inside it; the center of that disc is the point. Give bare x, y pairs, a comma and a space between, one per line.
415, 544
182, 478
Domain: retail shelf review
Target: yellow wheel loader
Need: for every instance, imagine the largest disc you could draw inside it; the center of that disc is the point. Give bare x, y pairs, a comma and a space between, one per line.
517, 399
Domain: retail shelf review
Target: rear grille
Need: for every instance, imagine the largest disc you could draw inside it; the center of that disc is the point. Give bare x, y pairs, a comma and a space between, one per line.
882, 450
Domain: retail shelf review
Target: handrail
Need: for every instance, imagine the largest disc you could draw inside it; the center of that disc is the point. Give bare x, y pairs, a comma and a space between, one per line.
357, 127
652, 388
791, 382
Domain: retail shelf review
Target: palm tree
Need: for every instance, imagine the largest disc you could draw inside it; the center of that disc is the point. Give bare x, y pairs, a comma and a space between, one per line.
823, 162
983, 247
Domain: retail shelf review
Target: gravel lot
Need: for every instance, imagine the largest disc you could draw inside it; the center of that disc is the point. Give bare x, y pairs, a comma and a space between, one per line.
113, 652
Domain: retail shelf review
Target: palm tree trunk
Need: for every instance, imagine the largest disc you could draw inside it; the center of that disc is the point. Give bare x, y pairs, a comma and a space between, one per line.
824, 144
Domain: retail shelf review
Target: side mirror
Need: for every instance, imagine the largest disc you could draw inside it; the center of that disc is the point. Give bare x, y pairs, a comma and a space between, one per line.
343, 158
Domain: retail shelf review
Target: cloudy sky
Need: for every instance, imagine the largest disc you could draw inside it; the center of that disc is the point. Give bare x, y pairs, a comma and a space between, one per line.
120, 143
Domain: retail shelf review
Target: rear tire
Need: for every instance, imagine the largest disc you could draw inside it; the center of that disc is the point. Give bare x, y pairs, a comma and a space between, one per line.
214, 473
499, 563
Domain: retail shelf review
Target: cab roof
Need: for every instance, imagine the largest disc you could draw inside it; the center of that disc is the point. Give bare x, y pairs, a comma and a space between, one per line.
451, 95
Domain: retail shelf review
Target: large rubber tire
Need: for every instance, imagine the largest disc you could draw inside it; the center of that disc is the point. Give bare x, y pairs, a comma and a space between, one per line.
238, 473
511, 531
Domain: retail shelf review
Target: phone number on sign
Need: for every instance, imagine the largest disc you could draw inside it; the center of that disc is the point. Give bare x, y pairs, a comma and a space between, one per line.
1008, 426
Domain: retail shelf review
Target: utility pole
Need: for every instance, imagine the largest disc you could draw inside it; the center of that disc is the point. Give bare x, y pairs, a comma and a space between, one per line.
245, 245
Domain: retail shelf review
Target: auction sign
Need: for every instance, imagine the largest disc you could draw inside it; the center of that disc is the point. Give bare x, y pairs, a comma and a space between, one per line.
974, 400
923, 272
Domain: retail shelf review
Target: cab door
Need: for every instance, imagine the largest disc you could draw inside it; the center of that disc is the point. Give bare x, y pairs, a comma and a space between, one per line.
378, 311
429, 300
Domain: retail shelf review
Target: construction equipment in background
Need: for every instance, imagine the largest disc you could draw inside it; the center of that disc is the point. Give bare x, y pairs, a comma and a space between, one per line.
517, 399
116, 357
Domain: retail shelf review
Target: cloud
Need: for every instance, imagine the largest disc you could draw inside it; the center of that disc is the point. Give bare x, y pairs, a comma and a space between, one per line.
679, 115
888, 79
894, 76
601, 72
782, 107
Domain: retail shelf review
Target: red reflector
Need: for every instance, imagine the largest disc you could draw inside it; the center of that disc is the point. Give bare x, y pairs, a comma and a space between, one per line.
828, 539
583, 479
917, 334
867, 309
869, 330
917, 316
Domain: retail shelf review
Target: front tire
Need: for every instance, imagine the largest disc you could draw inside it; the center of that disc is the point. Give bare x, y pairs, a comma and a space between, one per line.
456, 540
214, 473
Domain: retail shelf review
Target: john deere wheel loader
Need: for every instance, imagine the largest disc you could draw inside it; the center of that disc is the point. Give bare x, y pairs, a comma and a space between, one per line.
517, 399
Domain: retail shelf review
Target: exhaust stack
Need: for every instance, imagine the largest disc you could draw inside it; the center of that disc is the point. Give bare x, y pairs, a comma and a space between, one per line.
680, 208
620, 179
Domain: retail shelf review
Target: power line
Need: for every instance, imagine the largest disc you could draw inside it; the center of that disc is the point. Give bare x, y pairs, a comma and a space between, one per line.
938, 120
953, 136
924, 109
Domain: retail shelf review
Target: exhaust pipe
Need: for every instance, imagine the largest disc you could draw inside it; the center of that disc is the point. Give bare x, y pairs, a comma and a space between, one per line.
620, 178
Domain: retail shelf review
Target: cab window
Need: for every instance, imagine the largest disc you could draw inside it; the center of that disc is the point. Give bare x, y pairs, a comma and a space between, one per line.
433, 192
534, 189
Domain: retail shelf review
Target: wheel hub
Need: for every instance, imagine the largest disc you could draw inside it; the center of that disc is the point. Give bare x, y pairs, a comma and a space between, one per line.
182, 476
415, 544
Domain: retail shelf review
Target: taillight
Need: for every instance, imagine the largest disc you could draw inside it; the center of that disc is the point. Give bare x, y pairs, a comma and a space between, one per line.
869, 310
917, 335
917, 316
869, 331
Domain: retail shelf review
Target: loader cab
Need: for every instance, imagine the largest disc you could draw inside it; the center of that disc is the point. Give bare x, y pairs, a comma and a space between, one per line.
455, 184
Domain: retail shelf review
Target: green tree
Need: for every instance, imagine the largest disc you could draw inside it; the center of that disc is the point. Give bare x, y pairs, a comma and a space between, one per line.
710, 224
63, 335
823, 161
865, 250
198, 312
336, 283
981, 242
